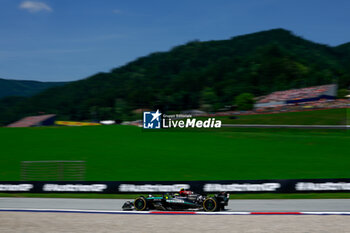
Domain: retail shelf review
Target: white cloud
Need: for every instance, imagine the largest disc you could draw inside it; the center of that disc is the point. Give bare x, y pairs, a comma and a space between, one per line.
34, 7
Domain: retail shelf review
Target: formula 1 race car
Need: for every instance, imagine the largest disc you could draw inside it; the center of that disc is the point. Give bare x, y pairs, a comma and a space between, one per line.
184, 200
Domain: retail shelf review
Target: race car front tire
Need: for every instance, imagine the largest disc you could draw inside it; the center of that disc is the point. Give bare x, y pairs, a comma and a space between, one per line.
211, 204
140, 203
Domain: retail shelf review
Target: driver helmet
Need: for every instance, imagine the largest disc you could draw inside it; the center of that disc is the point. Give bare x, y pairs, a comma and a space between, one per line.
182, 192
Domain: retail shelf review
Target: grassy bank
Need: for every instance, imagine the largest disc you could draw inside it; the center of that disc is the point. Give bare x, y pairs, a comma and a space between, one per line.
130, 153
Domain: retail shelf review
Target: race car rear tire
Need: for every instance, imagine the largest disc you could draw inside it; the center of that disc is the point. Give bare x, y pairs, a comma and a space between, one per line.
222, 207
211, 204
140, 203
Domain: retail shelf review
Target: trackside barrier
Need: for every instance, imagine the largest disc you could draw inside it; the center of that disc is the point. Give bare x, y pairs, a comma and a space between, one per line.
230, 186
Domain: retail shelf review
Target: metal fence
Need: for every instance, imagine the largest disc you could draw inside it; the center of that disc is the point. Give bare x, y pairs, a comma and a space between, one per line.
53, 170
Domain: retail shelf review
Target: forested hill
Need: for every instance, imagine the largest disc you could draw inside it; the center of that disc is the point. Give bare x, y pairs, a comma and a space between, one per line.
10, 87
193, 75
344, 50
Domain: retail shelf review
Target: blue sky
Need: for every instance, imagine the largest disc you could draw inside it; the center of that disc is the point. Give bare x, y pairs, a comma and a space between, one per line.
63, 40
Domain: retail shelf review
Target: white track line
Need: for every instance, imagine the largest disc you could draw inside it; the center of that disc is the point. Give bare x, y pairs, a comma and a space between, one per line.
167, 212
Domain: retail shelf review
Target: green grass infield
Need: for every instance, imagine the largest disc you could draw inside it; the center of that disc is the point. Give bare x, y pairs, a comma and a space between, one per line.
128, 153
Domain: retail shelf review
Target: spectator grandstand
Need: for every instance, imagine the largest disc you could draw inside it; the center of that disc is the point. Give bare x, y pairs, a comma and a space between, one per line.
308, 94
31, 121
304, 106
294, 100
309, 105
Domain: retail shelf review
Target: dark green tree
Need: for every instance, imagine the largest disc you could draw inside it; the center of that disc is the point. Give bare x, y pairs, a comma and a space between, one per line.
209, 100
342, 93
245, 101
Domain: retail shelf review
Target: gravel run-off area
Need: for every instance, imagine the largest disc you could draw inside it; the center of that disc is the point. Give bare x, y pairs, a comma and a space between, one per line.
74, 222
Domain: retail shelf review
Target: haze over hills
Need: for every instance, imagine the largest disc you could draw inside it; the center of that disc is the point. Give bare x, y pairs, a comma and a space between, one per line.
10, 87
210, 73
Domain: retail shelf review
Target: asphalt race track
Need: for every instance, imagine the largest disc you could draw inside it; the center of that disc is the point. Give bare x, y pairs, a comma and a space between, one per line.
284, 205
91, 221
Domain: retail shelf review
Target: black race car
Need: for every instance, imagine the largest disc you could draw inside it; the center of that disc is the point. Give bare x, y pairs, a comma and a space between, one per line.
184, 200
